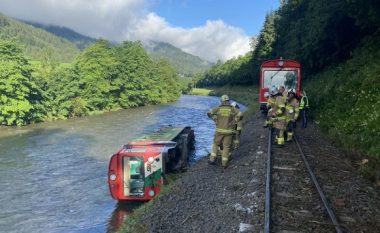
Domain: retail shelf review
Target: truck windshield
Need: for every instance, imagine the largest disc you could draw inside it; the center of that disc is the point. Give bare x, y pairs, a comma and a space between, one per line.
286, 78
133, 175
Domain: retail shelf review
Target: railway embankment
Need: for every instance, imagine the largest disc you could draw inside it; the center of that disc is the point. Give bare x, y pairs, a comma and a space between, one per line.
205, 199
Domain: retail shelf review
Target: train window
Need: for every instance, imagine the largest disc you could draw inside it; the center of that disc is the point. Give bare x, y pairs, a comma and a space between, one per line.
286, 78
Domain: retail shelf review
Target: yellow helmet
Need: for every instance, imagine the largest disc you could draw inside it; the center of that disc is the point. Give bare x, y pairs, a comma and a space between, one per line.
224, 98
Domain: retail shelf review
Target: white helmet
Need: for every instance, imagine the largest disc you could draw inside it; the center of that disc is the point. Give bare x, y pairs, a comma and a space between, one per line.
234, 104
292, 91
224, 98
273, 90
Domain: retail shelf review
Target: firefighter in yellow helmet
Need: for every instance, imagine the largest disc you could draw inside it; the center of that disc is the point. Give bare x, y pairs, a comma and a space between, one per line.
292, 112
278, 117
225, 117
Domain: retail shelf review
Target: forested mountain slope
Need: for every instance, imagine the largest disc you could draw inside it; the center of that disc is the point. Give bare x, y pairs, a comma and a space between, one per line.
185, 63
81, 41
39, 44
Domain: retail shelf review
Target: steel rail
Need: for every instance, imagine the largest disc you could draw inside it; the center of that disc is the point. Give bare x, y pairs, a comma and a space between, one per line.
320, 192
267, 185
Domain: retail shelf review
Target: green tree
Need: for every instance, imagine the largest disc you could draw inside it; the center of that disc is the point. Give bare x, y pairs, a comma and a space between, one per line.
135, 76
21, 99
96, 67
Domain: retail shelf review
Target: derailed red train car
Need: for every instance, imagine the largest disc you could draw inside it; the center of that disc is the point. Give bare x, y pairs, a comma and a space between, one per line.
279, 72
137, 170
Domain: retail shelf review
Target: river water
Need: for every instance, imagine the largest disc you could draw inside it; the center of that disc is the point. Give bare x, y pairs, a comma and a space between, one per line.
53, 175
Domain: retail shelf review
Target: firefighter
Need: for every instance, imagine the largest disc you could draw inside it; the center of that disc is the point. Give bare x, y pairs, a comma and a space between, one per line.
225, 117
292, 111
304, 106
238, 127
270, 104
278, 116
284, 93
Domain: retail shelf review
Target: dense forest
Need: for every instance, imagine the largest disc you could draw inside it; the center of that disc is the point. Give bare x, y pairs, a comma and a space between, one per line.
337, 44
101, 78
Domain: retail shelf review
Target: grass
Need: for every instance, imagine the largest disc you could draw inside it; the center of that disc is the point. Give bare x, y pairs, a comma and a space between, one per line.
247, 95
345, 103
200, 91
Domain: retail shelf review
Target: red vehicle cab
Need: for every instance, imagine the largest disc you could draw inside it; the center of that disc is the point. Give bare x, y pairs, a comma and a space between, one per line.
278, 72
137, 170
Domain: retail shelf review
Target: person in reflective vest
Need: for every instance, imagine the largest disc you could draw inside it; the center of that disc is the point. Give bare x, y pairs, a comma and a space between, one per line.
238, 127
292, 111
304, 106
225, 117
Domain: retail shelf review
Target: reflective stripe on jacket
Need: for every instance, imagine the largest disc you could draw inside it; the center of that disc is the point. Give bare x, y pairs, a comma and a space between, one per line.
226, 117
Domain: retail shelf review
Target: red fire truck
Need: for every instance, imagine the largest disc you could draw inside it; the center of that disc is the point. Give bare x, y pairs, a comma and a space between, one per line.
278, 72
137, 170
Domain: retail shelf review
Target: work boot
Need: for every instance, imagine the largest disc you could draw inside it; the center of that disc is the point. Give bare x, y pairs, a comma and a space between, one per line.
290, 137
280, 141
236, 144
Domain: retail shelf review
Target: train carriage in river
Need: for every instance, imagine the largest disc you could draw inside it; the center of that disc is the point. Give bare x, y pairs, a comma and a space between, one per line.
137, 170
278, 72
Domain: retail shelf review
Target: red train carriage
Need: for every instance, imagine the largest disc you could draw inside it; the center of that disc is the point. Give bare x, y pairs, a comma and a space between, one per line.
278, 72
137, 170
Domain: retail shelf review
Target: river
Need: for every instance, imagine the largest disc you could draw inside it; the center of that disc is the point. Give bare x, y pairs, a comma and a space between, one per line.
53, 175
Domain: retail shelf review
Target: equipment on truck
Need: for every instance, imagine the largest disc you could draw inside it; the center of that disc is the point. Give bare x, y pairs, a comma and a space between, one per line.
137, 170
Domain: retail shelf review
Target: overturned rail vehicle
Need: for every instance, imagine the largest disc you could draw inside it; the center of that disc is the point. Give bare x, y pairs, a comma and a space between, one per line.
137, 171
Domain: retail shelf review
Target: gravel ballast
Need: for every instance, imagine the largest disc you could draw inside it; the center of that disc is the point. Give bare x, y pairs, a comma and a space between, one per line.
207, 199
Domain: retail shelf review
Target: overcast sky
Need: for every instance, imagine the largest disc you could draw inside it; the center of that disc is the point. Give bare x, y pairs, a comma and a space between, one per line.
210, 29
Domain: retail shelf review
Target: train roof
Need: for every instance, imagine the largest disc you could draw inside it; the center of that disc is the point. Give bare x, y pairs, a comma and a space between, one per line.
163, 136
286, 63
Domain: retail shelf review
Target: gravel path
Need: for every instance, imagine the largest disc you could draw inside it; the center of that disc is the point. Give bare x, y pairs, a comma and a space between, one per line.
205, 199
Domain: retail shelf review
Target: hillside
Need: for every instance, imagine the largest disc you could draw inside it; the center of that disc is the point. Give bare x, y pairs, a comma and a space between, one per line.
38, 43
185, 63
81, 41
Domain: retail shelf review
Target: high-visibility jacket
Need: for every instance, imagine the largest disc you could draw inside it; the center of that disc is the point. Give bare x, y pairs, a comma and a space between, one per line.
304, 103
226, 117
292, 109
278, 113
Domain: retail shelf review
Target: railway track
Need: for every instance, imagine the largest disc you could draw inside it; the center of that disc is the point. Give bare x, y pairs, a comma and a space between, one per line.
294, 200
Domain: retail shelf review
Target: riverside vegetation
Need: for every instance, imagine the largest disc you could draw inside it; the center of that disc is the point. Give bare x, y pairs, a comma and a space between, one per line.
103, 77
337, 45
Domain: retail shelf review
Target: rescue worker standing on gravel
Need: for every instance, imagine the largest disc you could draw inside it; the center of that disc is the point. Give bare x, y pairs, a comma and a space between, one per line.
292, 111
304, 106
278, 116
270, 104
225, 117
238, 127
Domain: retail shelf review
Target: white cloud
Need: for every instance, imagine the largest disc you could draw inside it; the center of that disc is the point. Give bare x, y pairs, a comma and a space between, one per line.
119, 20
